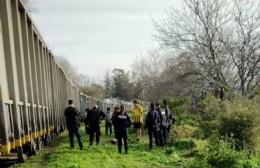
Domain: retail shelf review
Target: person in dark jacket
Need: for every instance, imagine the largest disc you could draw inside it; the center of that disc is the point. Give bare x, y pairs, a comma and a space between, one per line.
168, 117
162, 134
152, 123
73, 124
122, 122
116, 111
93, 120
85, 120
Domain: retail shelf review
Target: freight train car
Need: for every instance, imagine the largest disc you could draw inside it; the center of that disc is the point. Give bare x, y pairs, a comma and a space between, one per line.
33, 88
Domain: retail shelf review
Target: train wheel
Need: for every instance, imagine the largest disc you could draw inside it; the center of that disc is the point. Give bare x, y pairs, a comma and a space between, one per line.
39, 143
52, 136
57, 132
34, 149
21, 156
46, 139
62, 128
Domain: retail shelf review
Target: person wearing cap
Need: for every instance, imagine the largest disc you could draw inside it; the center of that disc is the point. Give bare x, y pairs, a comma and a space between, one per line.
137, 119
73, 124
93, 120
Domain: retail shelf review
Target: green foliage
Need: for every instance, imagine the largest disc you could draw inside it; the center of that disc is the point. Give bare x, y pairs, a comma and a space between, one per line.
255, 92
123, 88
241, 123
219, 153
189, 118
179, 105
184, 144
210, 108
237, 120
239, 126
105, 155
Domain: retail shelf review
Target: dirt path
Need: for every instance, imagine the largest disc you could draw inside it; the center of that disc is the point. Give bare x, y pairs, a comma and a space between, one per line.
40, 159
47, 150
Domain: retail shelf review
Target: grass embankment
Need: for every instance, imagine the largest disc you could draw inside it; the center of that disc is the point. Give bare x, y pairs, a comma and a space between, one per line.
58, 154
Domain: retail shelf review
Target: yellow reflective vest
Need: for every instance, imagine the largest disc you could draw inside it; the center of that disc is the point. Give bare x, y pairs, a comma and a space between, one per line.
138, 114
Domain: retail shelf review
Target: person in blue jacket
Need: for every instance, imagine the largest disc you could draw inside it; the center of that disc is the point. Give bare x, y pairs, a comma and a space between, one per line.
152, 123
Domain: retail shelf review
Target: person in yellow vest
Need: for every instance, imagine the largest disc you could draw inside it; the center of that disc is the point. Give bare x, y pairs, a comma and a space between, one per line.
137, 119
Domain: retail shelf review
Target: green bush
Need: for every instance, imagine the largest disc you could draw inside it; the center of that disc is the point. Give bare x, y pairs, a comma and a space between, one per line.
241, 123
179, 105
210, 108
240, 127
220, 154
189, 119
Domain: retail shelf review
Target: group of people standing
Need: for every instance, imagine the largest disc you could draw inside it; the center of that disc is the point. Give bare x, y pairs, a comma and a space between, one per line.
157, 122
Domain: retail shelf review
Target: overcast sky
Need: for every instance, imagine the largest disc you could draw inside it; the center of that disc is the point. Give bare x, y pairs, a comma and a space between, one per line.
95, 35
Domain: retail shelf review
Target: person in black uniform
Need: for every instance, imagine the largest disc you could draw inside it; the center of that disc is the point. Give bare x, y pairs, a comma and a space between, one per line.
93, 120
116, 111
85, 120
73, 124
122, 122
152, 123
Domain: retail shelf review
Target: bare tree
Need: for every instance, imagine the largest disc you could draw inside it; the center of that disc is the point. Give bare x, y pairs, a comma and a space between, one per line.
243, 42
68, 69
181, 78
108, 84
138, 86
194, 30
84, 80
147, 69
222, 37
93, 90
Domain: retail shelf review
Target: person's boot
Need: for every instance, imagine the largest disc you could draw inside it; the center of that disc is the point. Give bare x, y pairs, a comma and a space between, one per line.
81, 146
